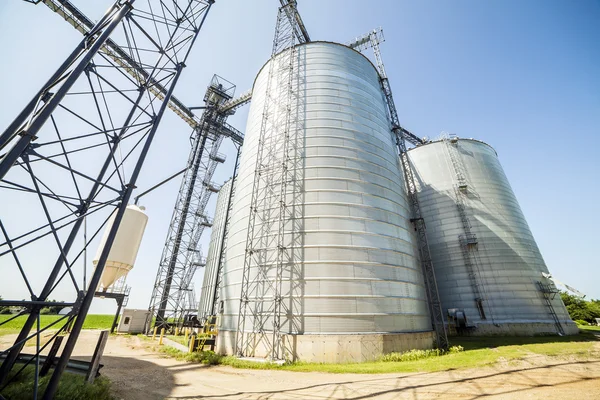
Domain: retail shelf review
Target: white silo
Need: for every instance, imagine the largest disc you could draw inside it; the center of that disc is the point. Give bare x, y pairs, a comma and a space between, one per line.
486, 260
354, 288
125, 246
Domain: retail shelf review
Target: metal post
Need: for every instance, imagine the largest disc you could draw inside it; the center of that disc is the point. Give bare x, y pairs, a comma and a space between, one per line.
51, 356
402, 135
95, 362
8, 160
119, 305
23, 130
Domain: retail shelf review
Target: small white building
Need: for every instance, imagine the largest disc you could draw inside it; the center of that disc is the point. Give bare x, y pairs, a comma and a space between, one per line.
132, 321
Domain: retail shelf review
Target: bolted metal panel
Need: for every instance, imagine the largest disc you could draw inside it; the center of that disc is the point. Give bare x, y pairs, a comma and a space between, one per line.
468, 203
205, 306
353, 252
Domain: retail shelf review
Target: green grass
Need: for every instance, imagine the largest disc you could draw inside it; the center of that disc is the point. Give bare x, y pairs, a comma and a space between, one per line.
92, 321
478, 352
179, 339
203, 357
589, 328
71, 387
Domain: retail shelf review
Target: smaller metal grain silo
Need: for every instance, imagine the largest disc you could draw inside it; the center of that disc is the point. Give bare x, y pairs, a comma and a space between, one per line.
125, 246
207, 294
488, 265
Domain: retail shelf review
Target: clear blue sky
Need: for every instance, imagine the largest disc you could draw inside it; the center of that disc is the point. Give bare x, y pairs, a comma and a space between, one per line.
523, 76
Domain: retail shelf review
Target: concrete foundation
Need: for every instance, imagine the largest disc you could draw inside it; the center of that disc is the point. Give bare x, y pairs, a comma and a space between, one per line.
337, 348
517, 329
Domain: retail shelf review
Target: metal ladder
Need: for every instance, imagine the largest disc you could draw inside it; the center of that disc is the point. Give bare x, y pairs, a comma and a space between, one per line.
549, 291
207, 336
468, 241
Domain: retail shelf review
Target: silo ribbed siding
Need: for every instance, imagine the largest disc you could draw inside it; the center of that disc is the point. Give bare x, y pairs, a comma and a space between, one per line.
214, 251
509, 262
354, 252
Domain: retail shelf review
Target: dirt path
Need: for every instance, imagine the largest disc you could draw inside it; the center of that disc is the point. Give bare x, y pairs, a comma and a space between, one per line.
139, 373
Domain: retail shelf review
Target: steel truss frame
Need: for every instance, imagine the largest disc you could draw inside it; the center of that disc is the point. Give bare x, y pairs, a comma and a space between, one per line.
268, 273
182, 298
372, 39
181, 256
74, 154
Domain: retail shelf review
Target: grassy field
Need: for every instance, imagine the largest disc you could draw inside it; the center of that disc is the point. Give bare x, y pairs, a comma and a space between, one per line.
91, 322
478, 352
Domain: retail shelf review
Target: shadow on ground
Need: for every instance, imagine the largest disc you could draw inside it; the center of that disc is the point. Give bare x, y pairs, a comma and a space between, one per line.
556, 379
139, 379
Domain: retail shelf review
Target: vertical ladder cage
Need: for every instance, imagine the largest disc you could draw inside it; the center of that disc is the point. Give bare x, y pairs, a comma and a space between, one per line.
468, 241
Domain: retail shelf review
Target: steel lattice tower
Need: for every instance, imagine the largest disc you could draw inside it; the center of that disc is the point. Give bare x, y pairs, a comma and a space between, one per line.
75, 153
176, 286
181, 255
269, 245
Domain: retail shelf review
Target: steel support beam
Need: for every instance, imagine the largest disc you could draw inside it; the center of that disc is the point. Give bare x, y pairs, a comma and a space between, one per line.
30, 120
83, 24
95, 280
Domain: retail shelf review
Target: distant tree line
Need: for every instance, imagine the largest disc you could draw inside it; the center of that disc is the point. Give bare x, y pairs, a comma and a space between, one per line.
4, 309
49, 310
581, 310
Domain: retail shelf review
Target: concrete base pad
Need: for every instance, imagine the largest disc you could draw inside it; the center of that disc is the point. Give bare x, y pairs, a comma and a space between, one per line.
518, 329
337, 348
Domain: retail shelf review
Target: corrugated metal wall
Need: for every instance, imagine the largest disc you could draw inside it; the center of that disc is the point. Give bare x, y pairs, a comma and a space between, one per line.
509, 263
355, 269
214, 251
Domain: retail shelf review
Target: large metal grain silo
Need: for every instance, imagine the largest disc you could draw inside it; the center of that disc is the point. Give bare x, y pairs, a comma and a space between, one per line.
207, 294
488, 266
356, 289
